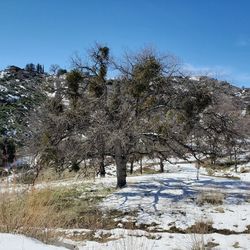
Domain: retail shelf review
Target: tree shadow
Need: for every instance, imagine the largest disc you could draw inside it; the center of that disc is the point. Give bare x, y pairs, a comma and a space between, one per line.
176, 190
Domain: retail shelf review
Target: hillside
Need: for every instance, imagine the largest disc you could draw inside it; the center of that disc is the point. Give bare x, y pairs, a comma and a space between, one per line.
20, 92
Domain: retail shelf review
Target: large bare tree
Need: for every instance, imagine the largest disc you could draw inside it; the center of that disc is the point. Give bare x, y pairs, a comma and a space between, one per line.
149, 107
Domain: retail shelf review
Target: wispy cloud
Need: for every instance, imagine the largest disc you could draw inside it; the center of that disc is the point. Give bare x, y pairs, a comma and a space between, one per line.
211, 71
219, 72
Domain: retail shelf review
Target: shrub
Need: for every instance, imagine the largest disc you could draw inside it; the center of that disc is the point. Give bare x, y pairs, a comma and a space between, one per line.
210, 197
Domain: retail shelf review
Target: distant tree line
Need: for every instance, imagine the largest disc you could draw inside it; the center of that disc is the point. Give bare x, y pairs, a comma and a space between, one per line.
38, 68
56, 70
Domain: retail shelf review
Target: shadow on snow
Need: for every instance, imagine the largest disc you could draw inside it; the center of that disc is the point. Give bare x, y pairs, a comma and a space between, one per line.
176, 190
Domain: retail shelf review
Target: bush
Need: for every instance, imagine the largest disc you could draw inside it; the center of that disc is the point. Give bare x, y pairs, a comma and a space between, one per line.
210, 197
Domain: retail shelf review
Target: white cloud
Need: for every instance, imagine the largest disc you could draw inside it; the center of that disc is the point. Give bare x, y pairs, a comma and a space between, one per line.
211, 71
218, 72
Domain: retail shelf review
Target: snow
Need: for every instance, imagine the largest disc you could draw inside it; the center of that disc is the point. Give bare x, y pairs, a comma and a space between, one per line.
169, 199
167, 241
132, 239
21, 86
3, 88
243, 112
13, 97
161, 202
51, 95
194, 78
20, 242
3, 74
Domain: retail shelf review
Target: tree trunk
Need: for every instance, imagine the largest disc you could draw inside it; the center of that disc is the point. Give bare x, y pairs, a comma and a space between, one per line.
132, 167
197, 165
235, 161
141, 165
102, 156
213, 159
102, 167
121, 164
161, 166
197, 174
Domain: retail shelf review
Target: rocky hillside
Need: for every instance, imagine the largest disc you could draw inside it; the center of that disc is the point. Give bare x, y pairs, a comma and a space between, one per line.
240, 95
20, 92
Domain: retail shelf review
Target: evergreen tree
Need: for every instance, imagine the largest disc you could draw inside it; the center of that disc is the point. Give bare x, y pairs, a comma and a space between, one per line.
100, 57
61, 72
39, 68
73, 79
30, 67
8, 151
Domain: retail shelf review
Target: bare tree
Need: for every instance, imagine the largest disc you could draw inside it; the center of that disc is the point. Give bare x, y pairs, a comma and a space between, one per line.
144, 110
54, 68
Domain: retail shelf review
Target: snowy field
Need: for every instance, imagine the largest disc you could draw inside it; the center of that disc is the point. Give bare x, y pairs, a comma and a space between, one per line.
164, 209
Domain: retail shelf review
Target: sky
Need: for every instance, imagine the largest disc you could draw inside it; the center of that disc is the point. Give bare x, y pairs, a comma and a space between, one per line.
210, 37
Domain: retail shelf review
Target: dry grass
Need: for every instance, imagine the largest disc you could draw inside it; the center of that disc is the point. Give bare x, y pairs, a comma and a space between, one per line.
132, 242
210, 171
219, 209
37, 213
201, 226
198, 230
92, 235
244, 170
212, 197
146, 170
198, 242
49, 174
33, 213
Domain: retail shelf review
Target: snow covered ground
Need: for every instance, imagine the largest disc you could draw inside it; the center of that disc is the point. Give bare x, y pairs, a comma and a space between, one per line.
135, 240
166, 206
127, 240
170, 199
20, 242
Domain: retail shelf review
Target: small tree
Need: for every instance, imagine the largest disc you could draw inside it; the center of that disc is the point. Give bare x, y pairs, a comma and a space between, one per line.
39, 68
73, 79
54, 69
30, 67
8, 151
61, 72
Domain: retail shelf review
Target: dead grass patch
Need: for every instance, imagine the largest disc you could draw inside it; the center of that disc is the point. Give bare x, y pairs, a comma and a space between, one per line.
198, 242
37, 213
219, 209
244, 170
201, 227
32, 213
92, 235
212, 197
210, 171
211, 245
247, 231
146, 170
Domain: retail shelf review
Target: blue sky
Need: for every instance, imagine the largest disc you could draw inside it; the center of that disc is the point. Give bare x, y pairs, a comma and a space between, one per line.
209, 36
